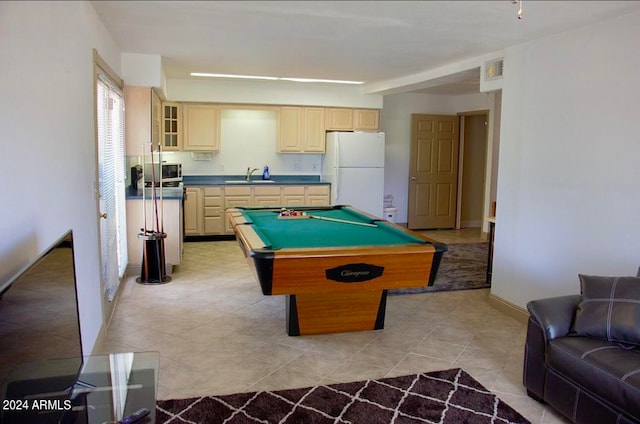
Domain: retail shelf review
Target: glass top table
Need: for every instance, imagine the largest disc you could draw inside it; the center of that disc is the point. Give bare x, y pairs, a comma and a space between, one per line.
94, 389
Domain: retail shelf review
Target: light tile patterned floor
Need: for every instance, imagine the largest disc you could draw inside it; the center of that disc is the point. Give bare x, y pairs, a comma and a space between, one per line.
217, 334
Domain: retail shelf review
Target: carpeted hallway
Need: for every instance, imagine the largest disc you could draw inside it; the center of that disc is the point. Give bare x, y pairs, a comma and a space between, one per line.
217, 334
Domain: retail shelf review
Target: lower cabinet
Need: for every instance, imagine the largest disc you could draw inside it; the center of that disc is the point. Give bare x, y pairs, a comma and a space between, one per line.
235, 197
317, 195
193, 211
204, 206
213, 210
295, 195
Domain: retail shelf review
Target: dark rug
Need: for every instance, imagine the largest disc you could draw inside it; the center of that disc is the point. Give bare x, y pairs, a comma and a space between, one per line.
463, 267
450, 396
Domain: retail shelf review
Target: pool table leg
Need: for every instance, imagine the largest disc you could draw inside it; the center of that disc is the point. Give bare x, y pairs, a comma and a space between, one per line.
335, 312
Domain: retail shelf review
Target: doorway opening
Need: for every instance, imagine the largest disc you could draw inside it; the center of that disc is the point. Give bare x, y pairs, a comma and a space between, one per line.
472, 169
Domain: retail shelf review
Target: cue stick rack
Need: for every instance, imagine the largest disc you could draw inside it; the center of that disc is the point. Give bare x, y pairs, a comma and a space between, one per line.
154, 269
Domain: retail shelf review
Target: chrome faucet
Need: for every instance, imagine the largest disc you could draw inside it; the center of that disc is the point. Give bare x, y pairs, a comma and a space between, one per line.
249, 172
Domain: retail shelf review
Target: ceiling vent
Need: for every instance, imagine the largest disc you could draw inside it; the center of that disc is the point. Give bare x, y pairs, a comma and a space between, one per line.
493, 69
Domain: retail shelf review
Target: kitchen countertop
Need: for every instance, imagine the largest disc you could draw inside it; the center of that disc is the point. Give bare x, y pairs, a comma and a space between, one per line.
176, 193
168, 193
200, 180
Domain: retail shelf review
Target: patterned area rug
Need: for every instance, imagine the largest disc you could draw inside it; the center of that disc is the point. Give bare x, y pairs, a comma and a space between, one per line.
450, 396
463, 267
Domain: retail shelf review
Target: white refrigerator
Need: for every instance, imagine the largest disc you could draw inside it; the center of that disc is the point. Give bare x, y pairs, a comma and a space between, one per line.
354, 165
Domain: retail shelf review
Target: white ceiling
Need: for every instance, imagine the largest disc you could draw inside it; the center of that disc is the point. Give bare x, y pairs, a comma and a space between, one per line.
370, 41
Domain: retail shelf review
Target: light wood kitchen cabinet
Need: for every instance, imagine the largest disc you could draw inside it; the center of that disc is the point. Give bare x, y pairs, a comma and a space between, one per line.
205, 205
366, 119
235, 196
156, 118
346, 119
193, 211
312, 195
267, 196
171, 126
213, 210
291, 129
200, 127
340, 119
142, 119
314, 130
317, 195
302, 130
293, 195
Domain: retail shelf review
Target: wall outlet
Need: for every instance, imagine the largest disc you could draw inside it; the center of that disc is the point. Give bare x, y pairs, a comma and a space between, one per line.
297, 165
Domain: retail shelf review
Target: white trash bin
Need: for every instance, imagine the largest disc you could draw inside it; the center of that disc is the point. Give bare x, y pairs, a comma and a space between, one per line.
390, 214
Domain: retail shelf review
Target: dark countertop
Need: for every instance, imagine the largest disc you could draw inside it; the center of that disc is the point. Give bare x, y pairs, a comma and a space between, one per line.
200, 180
168, 193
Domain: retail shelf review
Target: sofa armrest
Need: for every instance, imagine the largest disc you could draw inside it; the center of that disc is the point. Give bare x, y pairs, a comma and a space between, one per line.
554, 314
550, 318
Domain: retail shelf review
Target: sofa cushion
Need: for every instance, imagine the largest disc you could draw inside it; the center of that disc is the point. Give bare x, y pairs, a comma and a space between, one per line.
609, 308
608, 370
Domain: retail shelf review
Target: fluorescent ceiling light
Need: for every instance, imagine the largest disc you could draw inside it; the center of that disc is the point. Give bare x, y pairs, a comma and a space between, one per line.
201, 74
321, 80
204, 74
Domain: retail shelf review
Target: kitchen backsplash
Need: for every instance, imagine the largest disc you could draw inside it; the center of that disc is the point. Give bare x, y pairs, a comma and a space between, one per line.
220, 164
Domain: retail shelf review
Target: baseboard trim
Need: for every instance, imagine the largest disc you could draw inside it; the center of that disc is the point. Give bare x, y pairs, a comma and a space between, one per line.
514, 311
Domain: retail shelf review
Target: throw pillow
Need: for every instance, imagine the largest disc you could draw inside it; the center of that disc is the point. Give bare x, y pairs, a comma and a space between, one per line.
609, 308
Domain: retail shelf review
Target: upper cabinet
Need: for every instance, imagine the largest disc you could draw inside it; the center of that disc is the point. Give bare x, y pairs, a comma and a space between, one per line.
302, 129
314, 130
340, 119
200, 127
291, 123
171, 126
366, 119
142, 119
346, 119
197, 126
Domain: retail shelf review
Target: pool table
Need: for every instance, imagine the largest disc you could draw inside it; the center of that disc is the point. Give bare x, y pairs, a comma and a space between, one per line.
334, 264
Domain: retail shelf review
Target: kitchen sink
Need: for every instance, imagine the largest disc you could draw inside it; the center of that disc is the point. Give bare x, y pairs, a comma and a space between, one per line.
249, 182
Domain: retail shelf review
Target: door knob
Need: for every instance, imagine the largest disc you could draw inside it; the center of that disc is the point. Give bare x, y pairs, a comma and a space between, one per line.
103, 215
413, 178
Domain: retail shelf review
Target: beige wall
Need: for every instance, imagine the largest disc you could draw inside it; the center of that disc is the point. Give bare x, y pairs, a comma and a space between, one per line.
48, 140
568, 176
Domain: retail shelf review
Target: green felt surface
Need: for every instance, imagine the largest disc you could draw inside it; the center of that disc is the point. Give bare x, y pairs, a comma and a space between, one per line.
300, 233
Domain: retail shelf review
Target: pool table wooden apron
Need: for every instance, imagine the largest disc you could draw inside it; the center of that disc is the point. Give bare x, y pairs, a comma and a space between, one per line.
333, 290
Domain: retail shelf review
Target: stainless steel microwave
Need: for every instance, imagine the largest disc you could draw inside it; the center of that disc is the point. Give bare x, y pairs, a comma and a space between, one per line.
170, 172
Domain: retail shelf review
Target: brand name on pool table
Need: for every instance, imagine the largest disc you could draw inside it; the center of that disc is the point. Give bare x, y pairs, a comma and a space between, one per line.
349, 273
354, 273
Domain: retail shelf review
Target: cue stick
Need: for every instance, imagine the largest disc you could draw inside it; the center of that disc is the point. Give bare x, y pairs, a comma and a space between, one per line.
144, 200
153, 188
344, 221
161, 188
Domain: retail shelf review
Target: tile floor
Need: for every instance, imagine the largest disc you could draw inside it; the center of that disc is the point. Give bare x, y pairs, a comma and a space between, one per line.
217, 333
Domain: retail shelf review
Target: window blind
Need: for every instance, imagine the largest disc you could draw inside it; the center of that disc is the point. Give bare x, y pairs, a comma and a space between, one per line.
111, 182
